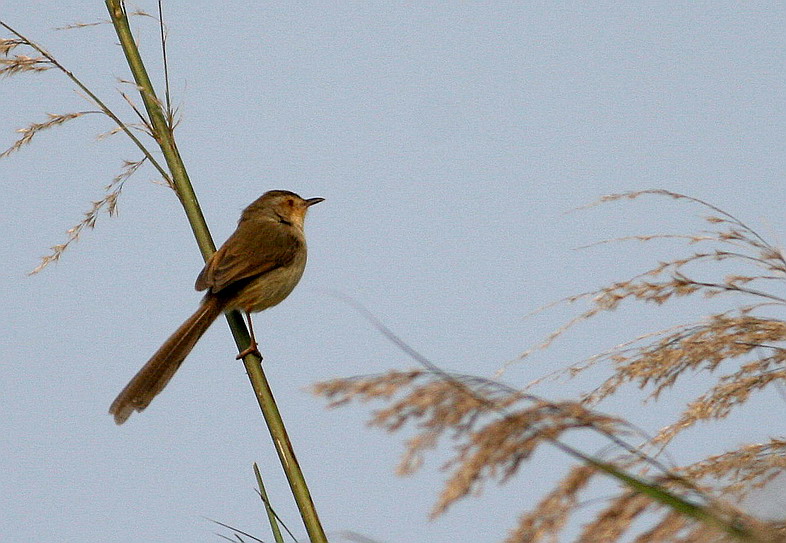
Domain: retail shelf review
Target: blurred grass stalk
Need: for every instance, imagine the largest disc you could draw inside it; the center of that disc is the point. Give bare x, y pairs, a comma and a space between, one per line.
271, 514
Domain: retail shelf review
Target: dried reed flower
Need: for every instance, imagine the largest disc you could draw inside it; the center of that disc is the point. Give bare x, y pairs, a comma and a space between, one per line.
108, 203
551, 514
8, 44
498, 434
34, 128
496, 429
22, 63
736, 473
78, 25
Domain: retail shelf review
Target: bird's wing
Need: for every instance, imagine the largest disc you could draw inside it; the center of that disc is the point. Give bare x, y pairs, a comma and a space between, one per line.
256, 247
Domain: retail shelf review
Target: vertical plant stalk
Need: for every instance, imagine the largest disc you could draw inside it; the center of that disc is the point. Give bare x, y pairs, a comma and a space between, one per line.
271, 515
162, 132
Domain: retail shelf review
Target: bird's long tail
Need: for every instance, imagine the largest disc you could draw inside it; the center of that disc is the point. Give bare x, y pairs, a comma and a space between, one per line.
155, 375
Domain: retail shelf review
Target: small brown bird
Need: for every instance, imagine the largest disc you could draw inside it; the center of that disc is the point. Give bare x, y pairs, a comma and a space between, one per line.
256, 268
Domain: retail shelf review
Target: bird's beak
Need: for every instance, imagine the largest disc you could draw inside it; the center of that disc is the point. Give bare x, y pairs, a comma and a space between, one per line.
312, 201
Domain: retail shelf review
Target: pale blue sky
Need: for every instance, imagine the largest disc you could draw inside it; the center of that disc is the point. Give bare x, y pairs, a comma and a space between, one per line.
448, 140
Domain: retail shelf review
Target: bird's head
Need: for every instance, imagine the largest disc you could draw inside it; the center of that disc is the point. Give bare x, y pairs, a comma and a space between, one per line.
283, 204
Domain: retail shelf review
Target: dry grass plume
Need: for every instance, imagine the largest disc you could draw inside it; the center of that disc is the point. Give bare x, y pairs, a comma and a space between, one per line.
496, 429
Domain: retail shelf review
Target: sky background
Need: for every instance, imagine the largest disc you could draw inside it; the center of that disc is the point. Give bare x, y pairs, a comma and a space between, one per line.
448, 140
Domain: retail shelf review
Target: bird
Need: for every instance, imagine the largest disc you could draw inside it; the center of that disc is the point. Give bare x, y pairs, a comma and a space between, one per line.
256, 268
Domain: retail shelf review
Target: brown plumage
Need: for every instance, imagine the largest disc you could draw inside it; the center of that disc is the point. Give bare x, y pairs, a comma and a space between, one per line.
256, 268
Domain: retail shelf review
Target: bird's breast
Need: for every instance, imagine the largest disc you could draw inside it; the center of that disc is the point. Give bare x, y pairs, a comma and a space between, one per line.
271, 288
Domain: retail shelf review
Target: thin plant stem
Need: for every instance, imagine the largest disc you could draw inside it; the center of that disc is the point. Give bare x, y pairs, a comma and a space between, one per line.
271, 515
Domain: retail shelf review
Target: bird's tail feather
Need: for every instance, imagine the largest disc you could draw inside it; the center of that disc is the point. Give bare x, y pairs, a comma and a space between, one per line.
155, 375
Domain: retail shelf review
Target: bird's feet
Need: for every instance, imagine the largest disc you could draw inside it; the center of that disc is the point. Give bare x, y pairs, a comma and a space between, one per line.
251, 349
